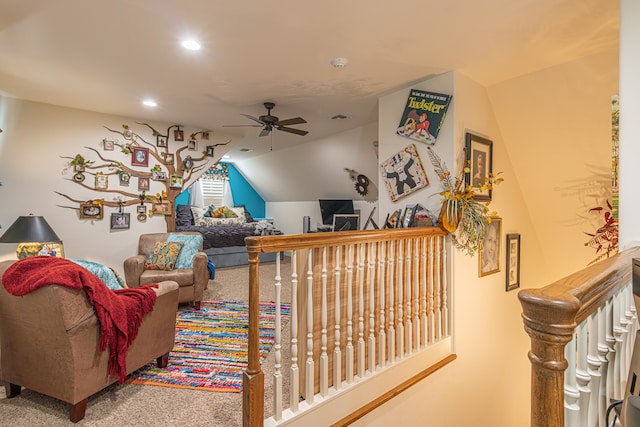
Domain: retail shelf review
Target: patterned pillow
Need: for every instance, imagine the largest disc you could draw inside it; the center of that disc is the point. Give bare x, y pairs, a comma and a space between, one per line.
191, 246
245, 212
163, 256
217, 213
229, 212
198, 214
210, 209
211, 222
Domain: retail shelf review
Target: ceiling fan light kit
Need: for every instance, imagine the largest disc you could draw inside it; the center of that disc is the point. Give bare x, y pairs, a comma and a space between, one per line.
269, 122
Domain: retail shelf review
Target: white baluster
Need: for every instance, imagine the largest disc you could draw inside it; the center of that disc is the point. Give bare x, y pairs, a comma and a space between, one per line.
618, 333
337, 352
408, 285
382, 337
582, 376
603, 356
594, 365
295, 370
399, 305
371, 349
392, 330
277, 347
361, 347
438, 292
310, 365
349, 350
324, 358
416, 295
424, 280
431, 284
445, 303
571, 394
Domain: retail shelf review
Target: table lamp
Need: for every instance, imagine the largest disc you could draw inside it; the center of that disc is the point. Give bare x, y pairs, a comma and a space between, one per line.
31, 232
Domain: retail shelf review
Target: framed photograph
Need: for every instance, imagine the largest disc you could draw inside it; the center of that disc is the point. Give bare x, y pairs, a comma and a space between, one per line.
125, 177
480, 160
489, 259
140, 156
176, 181
178, 135
143, 184
159, 176
346, 222
163, 208
193, 145
91, 211
209, 152
102, 181
407, 218
120, 221
168, 158
107, 144
205, 135
187, 163
392, 220
161, 141
141, 209
513, 262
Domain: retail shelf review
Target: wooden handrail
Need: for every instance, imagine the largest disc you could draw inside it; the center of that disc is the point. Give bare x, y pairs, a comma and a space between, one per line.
253, 378
550, 316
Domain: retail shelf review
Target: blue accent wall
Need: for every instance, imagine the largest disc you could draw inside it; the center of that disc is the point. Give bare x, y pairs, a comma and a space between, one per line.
244, 194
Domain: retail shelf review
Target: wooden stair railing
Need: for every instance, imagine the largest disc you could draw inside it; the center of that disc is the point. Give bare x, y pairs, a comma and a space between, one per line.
406, 259
551, 315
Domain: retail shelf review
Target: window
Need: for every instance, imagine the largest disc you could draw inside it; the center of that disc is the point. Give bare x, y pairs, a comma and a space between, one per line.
213, 192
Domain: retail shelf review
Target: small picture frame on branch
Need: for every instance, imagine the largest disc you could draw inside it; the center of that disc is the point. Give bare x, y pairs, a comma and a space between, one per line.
90, 211
163, 208
161, 141
140, 156
120, 221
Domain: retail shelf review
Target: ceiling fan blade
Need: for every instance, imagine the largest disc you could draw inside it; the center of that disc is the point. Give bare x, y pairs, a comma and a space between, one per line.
294, 121
241, 126
292, 130
265, 131
253, 118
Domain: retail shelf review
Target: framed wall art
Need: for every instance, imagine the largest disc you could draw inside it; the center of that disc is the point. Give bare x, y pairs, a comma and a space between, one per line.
346, 222
108, 144
403, 173
513, 262
143, 184
489, 259
480, 160
162, 208
176, 181
161, 141
91, 211
140, 156
102, 181
120, 221
423, 115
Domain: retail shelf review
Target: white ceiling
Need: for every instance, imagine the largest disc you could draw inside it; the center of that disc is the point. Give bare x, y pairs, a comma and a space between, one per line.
108, 56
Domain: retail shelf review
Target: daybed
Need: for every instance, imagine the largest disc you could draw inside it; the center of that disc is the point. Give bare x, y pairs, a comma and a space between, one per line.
224, 240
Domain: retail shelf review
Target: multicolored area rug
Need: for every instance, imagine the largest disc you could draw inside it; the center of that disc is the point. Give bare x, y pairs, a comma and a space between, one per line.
210, 351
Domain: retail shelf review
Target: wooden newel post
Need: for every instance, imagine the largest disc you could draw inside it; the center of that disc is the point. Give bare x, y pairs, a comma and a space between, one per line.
550, 321
253, 377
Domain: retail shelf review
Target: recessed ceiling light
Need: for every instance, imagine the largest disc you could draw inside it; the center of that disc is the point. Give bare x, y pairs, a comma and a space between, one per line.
150, 103
226, 156
246, 150
191, 44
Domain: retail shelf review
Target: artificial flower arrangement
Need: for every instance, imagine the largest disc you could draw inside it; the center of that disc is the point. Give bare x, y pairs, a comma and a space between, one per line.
461, 214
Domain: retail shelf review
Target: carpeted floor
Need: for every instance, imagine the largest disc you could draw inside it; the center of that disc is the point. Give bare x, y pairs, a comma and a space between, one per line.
141, 405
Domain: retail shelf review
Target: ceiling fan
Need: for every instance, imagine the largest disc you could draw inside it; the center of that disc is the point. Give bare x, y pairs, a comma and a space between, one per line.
269, 122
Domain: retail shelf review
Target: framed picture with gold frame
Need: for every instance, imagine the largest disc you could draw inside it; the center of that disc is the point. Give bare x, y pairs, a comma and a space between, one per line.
102, 181
91, 211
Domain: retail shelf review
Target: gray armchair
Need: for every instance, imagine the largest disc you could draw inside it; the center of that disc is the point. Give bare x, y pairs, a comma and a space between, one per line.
192, 281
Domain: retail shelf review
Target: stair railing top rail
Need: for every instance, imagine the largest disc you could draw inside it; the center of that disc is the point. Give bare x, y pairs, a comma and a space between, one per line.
550, 316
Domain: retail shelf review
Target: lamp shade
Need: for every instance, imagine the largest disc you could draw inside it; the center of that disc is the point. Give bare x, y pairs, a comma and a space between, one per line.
29, 229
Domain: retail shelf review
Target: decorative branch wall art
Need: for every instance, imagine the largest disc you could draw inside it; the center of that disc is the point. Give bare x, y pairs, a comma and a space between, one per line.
142, 157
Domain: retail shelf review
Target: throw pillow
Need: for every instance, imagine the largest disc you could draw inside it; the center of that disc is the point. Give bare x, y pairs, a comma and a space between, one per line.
247, 215
212, 222
163, 256
108, 275
229, 212
198, 214
210, 209
191, 246
217, 213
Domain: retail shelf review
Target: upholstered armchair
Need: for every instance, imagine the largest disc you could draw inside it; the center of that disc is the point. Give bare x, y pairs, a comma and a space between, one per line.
49, 342
192, 280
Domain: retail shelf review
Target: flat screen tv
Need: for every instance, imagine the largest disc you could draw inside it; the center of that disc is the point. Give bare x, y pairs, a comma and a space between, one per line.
329, 207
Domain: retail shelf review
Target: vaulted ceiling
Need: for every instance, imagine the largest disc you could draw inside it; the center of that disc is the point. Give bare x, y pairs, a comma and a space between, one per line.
110, 56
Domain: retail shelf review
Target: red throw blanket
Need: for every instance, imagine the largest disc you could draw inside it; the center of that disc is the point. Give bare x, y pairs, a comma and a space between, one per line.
120, 312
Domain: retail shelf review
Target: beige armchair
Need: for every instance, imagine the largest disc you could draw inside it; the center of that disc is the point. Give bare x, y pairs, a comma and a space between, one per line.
192, 281
49, 342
